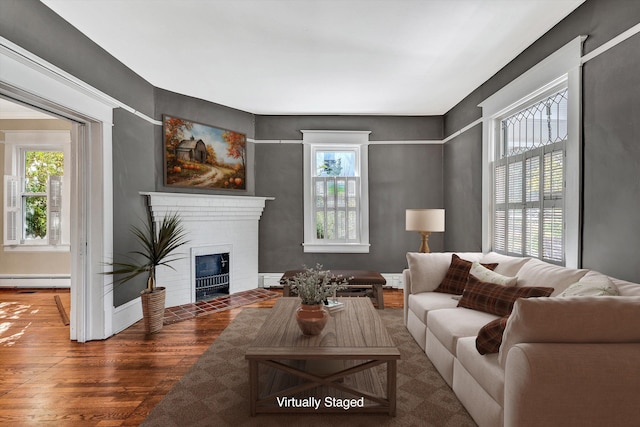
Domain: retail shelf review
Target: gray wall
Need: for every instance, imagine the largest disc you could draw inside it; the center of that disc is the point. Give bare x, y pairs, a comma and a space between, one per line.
463, 192
133, 141
611, 226
383, 128
611, 237
401, 176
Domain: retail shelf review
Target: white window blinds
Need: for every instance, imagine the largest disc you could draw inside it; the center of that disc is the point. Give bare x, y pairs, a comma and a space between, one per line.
54, 207
529, 181
336, 208
12, 210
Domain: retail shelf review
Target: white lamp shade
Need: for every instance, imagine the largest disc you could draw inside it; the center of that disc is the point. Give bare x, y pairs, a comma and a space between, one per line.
425, 220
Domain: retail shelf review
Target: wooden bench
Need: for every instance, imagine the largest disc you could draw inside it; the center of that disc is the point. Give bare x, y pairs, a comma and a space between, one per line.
359, 280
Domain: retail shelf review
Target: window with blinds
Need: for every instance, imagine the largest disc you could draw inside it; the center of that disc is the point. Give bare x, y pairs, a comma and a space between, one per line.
336, 194
529, 181
336, 191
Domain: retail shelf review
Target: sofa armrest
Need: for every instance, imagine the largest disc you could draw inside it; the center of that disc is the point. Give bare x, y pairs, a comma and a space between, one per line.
572, 385
406, 290
577, 320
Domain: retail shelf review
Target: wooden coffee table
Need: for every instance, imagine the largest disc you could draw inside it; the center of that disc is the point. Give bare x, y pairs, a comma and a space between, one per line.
356, 279
289, 371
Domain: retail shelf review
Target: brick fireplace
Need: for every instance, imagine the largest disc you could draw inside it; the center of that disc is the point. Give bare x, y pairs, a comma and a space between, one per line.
215, 225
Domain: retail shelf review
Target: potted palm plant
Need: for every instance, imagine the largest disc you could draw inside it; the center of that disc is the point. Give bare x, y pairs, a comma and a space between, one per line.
158, 246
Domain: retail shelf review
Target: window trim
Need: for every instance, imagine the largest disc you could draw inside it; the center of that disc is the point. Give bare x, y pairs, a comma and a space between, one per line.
563, 68
314, 140
16, 144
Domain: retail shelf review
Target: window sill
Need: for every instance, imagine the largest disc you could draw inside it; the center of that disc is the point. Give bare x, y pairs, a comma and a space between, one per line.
37, 248
337, 248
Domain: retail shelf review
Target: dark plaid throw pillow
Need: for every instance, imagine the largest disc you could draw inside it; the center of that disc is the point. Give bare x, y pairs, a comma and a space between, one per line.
456, 278
497, 299
490, 336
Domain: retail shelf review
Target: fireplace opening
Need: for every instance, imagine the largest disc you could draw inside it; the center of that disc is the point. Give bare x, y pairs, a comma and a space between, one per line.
211, 276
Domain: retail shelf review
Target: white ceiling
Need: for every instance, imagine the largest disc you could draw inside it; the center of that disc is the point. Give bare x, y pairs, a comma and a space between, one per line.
14, 111
393, 57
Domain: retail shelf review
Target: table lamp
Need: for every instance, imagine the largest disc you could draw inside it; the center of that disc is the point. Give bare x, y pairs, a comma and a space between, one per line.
425, 222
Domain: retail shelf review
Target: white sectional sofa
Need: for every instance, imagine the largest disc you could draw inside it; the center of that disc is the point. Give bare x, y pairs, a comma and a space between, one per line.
563, 361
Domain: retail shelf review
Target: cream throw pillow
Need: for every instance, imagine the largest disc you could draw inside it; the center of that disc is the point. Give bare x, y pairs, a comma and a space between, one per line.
591, 287
483, 274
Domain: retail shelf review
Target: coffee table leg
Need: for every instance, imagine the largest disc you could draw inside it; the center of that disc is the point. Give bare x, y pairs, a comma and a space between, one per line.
391, 386
379, 295
253, 386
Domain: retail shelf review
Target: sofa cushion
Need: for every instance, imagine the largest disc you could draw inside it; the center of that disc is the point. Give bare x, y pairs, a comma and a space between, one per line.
496, 299
485, 369
572, 320
540, 273
420, 304
428, 270
507, 265
490, 336
457, 275
484, 274
626, 288
450, 324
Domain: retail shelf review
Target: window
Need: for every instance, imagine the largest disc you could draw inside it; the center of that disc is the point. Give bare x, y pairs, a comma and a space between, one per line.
34, 203
531, 161
336, 192
529, 181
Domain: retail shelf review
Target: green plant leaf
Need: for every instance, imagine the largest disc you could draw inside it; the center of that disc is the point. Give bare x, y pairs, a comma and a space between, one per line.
157, 248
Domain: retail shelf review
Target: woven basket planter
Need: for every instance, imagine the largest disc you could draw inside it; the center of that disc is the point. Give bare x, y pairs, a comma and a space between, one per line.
153, 309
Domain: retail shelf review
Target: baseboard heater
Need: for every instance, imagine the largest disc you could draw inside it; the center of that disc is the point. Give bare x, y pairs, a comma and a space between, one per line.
35, 281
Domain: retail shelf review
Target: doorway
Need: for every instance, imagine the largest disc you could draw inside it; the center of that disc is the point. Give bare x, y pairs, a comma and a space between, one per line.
32, 81
37, 168
39, 148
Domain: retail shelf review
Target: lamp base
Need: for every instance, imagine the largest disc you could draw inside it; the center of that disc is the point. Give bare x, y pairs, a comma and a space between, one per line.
424, 246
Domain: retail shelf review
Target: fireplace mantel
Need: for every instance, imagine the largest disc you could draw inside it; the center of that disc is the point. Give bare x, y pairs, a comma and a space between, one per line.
200, 207
210, 220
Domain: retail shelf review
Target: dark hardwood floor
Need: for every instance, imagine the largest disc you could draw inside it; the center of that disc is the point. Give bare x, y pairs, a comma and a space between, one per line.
47, 379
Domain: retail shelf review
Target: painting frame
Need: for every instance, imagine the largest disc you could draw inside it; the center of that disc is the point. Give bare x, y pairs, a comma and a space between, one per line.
202, 156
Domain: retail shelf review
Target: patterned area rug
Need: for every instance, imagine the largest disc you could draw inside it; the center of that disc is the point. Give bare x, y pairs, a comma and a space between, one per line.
215, 391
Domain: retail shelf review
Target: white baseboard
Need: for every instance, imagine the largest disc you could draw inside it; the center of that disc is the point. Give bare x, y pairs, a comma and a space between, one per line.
126, 315
267, 280
394, 280
35, 281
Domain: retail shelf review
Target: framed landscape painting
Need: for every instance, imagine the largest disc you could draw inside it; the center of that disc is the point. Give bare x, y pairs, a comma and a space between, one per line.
203, 156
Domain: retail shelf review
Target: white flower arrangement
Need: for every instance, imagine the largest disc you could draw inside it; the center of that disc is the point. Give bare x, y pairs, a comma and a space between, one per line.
314, 285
